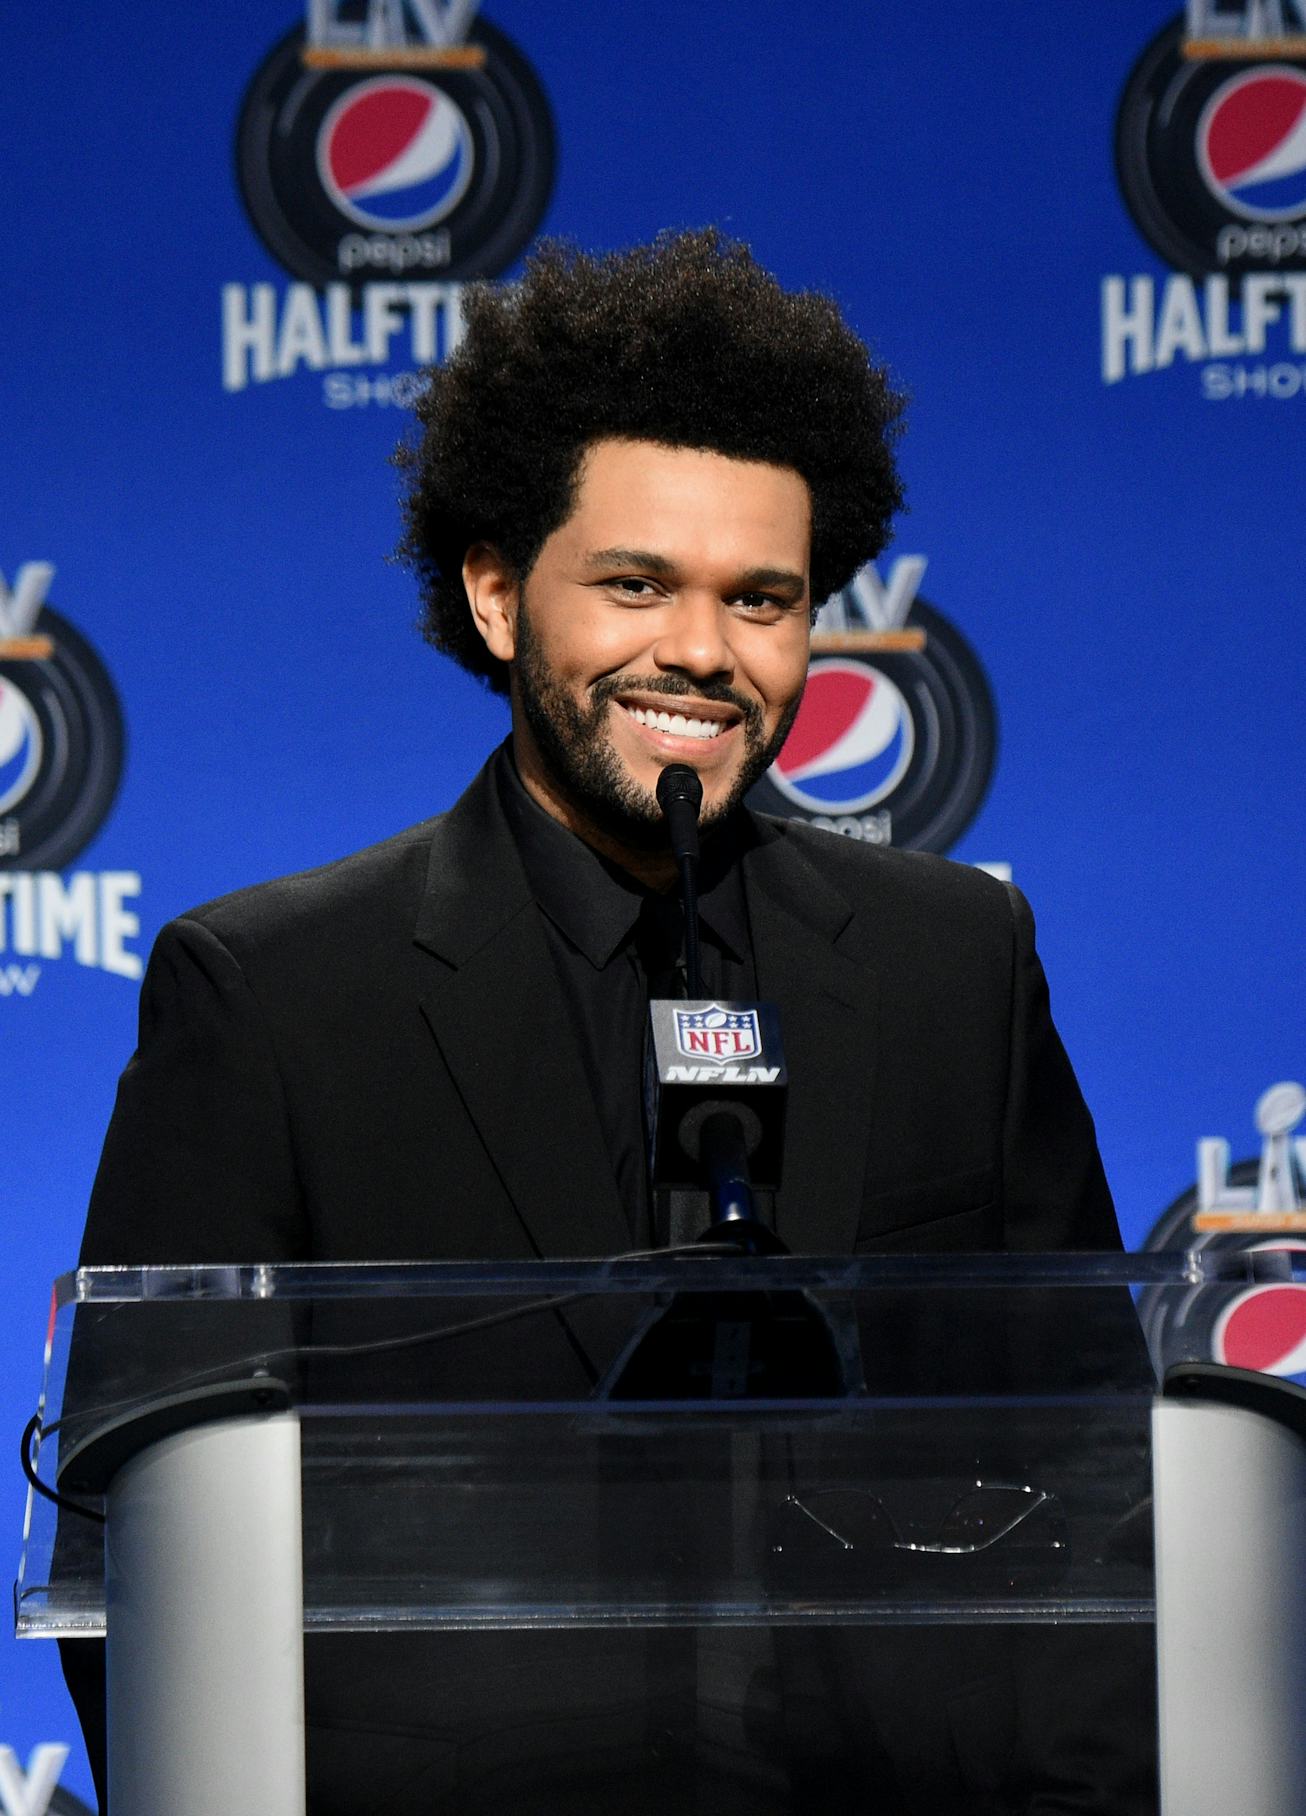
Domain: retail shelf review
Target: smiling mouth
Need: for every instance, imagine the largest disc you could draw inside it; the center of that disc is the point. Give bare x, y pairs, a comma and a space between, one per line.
678, 725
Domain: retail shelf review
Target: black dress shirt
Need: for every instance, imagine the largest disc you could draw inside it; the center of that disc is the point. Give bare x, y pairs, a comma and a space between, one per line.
615, 944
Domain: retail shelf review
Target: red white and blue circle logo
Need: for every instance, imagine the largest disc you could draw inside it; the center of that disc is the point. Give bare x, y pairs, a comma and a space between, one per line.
1251, 142
896, 737
61, 747
20, 745
1211, 155
1264, 1328
851, 743
395, 154
438, 164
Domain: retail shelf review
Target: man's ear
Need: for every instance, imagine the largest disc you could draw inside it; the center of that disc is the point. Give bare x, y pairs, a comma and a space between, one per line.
493, 591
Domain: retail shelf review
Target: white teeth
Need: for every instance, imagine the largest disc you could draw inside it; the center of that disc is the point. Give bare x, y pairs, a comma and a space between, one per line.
676, 723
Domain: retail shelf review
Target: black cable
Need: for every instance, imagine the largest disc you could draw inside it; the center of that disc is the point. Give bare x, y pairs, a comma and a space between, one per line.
334, 1351
34, 1429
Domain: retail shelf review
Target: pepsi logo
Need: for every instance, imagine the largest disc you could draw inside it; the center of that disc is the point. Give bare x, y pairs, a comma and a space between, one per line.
395, 154
61, 748
896, 737
851, 743
1206, 146
1264, 1328
20, 745
1251, 142
346, 168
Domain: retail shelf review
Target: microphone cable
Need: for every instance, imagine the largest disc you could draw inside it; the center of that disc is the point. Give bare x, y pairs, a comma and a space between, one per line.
36, 1430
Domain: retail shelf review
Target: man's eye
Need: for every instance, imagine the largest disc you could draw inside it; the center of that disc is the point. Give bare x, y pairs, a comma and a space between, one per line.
632, 586
759, 602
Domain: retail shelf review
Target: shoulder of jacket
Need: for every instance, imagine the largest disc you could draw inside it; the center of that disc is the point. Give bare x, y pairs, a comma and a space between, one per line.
857, 867
368, 887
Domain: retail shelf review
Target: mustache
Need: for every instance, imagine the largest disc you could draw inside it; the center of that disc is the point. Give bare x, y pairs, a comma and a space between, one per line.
677, 687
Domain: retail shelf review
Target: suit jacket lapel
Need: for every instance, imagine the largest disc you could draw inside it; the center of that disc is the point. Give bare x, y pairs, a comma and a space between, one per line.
812, 962
496, 1008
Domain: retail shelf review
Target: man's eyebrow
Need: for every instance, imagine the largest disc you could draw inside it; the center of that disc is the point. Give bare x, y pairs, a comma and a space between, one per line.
773, 579
645, 561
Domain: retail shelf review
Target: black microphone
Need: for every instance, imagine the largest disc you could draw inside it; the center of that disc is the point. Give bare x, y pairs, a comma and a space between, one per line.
680, 795
715, 1087
716, 1080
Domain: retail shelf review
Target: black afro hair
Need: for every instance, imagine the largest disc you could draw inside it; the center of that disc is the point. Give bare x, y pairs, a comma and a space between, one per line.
687, 342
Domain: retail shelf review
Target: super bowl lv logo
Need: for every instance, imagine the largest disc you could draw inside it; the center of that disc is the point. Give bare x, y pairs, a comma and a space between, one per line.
36, 1790
61, 752
896, 736
385, 151
1211, 158
1254, 1213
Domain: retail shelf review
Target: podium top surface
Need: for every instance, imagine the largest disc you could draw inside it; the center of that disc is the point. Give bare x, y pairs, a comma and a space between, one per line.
640, 1275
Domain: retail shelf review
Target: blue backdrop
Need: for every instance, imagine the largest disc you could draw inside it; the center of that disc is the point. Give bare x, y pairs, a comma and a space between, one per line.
1118, 551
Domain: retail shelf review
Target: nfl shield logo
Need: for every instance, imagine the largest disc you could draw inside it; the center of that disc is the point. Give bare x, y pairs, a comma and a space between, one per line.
722, 1036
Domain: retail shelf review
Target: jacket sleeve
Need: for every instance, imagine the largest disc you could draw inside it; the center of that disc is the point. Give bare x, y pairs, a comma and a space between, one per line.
1085, 1695
1055, 1191
198, 1164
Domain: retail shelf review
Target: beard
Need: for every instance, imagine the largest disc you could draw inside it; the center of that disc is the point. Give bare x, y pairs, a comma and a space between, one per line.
577, 749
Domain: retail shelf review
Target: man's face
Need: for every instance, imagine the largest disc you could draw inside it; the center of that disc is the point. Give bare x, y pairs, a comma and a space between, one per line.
666, 621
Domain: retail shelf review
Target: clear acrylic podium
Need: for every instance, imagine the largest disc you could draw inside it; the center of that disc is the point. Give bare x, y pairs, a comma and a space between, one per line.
876, 1442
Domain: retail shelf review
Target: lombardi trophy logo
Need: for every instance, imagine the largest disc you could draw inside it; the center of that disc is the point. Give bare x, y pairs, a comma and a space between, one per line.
1257, 1205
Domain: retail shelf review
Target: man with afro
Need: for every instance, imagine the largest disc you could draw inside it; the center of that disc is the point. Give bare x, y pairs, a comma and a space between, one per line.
633, 485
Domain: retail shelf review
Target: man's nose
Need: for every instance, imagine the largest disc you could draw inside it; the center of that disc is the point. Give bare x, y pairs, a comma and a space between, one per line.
694, 639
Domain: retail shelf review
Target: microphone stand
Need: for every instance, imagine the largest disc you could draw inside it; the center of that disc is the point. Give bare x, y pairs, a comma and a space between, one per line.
680, 796
722, 1139
737, 1343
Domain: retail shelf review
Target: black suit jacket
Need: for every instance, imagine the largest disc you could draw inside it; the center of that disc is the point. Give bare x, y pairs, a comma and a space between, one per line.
374, 1061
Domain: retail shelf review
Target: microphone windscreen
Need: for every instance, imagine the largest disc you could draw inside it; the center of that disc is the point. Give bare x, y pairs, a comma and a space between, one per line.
678, 782
680, 795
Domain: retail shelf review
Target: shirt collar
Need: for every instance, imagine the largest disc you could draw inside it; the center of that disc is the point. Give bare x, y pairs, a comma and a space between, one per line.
592, 901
